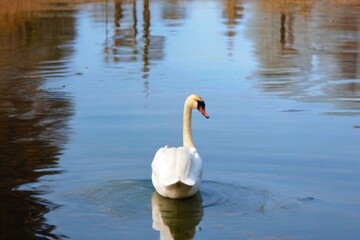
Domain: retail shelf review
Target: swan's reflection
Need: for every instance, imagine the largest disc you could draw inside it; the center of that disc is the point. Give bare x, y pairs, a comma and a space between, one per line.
176, 219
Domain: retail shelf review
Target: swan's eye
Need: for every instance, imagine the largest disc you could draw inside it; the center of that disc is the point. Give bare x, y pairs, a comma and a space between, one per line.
201, 105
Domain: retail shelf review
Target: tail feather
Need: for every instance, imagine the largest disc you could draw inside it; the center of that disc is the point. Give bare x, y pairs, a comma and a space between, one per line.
188, 182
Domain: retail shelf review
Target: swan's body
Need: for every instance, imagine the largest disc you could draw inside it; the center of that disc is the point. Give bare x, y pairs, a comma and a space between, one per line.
177, 172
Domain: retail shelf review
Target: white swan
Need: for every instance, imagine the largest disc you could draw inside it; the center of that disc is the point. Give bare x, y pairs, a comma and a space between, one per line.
176, 172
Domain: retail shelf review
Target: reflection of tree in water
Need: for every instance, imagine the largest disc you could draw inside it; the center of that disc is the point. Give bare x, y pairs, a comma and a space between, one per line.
343, 29
309, 50
173, 11
126, 44
33, 121
277, 45
233, 12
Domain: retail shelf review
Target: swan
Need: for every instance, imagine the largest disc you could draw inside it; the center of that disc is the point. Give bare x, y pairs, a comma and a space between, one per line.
177, 171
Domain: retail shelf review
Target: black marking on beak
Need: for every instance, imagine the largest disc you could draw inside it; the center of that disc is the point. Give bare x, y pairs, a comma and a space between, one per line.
201, 105
201, 108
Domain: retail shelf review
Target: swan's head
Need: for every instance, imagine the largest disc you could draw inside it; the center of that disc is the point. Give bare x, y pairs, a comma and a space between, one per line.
196, 102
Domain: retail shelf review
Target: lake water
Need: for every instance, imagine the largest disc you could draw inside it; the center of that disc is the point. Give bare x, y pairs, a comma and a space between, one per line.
91, 89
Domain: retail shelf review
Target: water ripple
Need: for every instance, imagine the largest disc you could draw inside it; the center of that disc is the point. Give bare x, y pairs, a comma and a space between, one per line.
234, 199
132, 198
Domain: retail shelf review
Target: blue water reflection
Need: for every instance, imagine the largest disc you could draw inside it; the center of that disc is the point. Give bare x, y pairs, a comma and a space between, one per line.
91, 90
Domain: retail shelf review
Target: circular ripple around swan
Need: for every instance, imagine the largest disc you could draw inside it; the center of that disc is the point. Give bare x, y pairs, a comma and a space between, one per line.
132, 198
125, 198
220, 198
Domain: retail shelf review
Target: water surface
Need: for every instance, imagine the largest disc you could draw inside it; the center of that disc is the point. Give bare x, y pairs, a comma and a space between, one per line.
90, 91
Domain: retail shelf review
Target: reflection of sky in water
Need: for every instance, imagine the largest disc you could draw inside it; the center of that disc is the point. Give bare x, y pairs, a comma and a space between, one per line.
298, 60
198, 43
128, 70
286, 147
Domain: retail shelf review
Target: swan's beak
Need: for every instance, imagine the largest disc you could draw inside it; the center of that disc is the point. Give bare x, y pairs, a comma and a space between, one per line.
201, 108
203, 112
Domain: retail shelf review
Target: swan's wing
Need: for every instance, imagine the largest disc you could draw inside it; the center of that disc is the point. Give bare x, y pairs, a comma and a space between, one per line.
164, 164
183, 165
195, 171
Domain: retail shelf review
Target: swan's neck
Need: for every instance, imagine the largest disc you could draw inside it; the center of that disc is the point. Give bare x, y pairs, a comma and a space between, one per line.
187, 137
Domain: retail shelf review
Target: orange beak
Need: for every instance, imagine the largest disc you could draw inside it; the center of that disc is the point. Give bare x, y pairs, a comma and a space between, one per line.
203, 112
